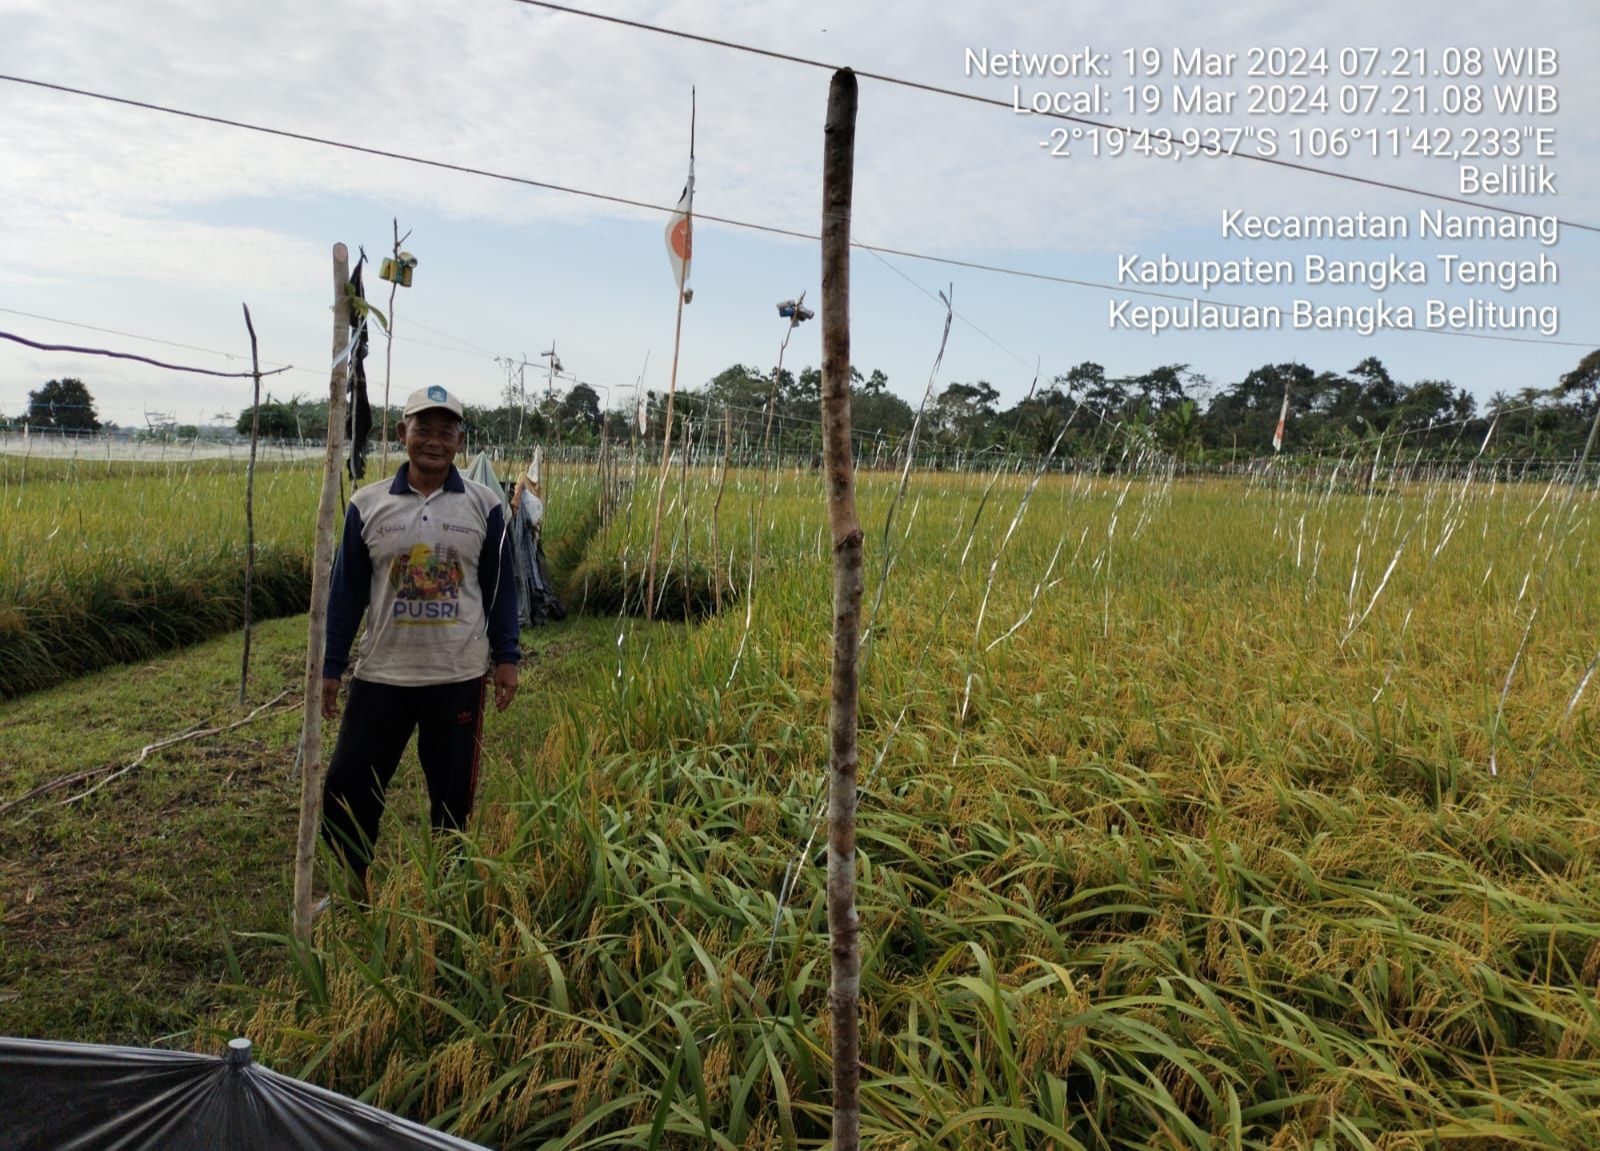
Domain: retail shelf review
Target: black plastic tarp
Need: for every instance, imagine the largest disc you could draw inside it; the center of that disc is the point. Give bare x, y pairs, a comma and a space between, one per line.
85, 1097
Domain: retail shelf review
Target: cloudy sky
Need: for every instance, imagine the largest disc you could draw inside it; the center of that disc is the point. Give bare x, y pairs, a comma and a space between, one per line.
156, 226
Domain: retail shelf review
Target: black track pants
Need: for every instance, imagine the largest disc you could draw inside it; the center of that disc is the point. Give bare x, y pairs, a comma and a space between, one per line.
378, 721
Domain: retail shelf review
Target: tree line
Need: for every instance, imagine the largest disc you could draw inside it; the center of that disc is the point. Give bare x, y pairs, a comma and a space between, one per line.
1086, 412
1170, 407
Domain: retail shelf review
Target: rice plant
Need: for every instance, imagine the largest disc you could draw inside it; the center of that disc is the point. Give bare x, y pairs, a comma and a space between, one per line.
1180, 832
107, 562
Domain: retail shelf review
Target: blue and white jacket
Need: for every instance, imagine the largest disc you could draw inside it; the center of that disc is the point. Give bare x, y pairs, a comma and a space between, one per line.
436, 578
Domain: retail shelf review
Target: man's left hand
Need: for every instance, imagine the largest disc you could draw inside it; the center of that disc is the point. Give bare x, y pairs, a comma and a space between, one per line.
505, 685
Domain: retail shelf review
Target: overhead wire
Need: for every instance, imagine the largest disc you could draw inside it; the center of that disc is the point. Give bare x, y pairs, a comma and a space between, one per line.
956, 93
626, 201
136, 336
549, 186
81, 351
574, 379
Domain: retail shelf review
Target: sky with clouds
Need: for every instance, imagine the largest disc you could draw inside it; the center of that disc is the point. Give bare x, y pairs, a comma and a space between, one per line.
151, 225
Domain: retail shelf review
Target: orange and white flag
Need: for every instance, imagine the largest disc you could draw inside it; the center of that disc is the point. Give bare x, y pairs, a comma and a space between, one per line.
680, 236
1283, 417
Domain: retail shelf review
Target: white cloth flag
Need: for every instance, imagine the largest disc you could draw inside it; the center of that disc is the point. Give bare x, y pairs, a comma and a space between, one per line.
680, 234
1283, 416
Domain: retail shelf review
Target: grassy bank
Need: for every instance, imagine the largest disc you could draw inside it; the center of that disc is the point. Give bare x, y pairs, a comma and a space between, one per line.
135, 915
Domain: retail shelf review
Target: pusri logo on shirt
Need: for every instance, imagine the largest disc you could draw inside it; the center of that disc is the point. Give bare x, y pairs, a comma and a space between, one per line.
427, 586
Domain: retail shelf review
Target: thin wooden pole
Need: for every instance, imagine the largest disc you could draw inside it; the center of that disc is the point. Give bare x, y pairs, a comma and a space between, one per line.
388, 349
635, 435
603, 467
321, 568
661, 476
683, 517
844, 927
716, 511
684, 295
766, 449
250, 505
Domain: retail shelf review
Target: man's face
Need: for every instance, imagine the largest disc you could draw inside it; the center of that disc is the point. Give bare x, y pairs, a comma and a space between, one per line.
432, 438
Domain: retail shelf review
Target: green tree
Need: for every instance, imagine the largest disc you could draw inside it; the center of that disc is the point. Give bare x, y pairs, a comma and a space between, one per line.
292, 419
1104, 397
963, 411
579, 410
874, 411
1583, 382
805, 389
745, 391
1425, 402
1179, 430
64, 405
1160, 388
1038, 419
1379, 392
1248, 411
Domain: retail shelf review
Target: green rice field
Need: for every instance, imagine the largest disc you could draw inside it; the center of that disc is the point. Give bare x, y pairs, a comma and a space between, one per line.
1254, 811
111, 561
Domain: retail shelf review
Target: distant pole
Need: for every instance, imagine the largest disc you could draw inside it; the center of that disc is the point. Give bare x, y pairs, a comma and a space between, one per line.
716, 510
844, 926
250, 504
683, 517
388, 350
684, 294
605, 471
661, 476
321, 569
766, 442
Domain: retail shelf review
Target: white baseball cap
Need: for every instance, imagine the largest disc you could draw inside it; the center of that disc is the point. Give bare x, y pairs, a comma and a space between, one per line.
432, 397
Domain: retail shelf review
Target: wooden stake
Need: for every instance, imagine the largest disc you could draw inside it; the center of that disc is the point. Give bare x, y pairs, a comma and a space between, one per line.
250, 505
322, 566
844, 931
602, 463
661, 477
388, 348
716, 510
766, 453
683, 519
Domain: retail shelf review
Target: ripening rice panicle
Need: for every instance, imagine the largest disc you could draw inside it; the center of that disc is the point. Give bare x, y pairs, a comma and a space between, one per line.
124, 561
1184, 870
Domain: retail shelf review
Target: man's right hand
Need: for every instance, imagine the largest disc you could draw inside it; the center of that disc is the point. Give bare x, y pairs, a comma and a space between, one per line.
330, 699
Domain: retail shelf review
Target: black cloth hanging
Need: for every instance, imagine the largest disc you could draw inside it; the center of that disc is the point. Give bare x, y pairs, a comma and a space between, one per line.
360, 425
88, 1097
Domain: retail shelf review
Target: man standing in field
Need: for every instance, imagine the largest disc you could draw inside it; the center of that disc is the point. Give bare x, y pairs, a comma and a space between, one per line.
427, 559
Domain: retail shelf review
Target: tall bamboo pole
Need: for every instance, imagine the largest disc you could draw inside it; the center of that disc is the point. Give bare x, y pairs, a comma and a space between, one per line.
844, 929
250, 505
321, 569
684, 294
661, 475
